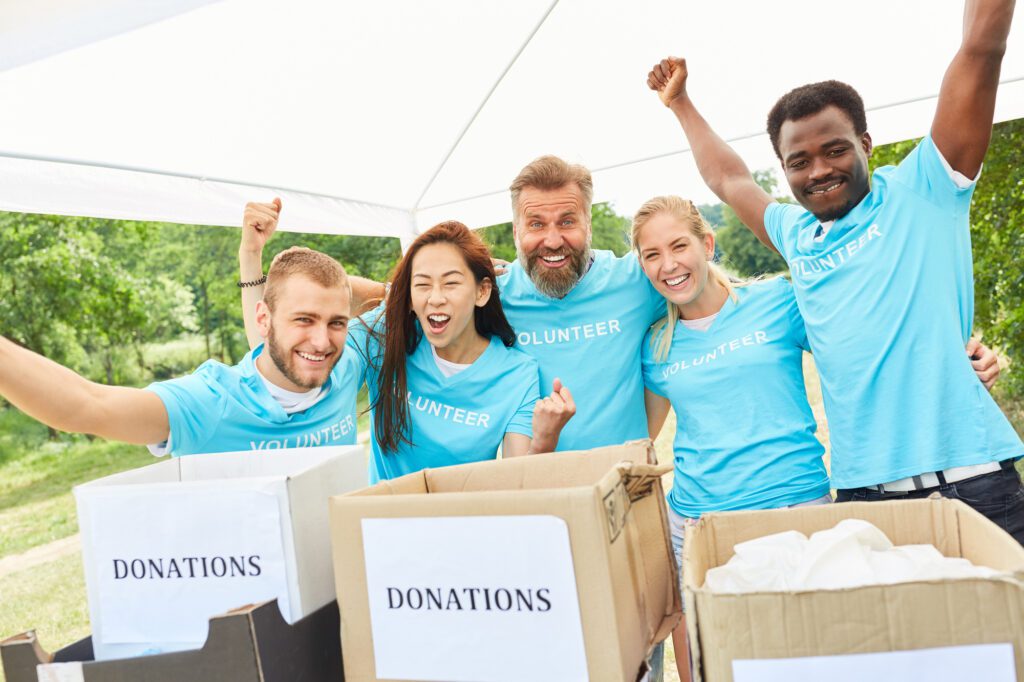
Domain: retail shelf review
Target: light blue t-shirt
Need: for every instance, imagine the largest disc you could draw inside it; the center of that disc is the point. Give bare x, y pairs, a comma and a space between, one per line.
887, 295
590, 339
744, 430
453, 420
219, 408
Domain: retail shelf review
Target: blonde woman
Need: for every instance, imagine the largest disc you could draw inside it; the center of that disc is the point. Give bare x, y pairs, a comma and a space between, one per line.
728, 358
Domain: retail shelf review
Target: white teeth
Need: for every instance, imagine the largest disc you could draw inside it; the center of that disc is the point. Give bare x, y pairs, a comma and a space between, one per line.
311, 357
826, 189
438, 318
677, 280
554, 259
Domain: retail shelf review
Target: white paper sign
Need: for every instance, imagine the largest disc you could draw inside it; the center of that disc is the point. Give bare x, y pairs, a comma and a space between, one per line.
473, 599
166, 561
988, 662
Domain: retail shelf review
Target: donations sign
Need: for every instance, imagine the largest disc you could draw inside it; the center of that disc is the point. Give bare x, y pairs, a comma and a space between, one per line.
473, 598
163, 568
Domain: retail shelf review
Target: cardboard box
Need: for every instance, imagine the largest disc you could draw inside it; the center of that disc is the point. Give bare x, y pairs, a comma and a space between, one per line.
547, 567
724, 628
250, 644
167, 546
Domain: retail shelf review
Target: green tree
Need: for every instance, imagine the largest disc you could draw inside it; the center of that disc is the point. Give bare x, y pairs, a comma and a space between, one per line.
740, 250
997, 237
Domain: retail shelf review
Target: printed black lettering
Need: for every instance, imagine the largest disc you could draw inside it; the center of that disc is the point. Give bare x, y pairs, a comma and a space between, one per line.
524, 598
238, 566
206, 573
413, 592
191, 561
543, 603
453, 597
156, 568
472, 596
434, 598
393, 595
120, 569
498, 594
141, 566
223, 567
172, 567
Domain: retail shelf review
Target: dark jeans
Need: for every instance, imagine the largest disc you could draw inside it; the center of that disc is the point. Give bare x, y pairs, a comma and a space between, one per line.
998, 495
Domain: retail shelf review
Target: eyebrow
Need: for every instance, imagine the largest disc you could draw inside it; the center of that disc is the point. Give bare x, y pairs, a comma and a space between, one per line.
450, 272
831, 143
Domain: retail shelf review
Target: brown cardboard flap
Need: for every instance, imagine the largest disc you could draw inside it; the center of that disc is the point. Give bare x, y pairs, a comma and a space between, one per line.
536, 472
641, 479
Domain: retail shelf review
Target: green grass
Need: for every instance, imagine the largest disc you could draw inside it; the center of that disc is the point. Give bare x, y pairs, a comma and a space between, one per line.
49, 599
37, 474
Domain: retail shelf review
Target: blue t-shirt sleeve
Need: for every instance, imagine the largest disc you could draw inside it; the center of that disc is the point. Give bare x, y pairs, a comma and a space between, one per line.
648, 363
797, 330
652, 301
923, 171
193, 406
522, 419
363, 350
780, 222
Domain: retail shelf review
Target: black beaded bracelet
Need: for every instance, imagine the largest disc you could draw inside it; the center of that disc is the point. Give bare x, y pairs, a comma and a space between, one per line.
254, 283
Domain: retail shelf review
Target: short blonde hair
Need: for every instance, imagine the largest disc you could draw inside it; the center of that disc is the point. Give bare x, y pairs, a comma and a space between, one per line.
684, 211
298, 260
549, 173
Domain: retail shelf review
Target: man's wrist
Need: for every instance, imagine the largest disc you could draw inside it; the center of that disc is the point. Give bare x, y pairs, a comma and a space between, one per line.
679, 103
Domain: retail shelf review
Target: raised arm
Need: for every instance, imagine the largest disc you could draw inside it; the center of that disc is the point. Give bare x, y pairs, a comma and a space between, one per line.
259, 222
66, 401
962, 127
722, 168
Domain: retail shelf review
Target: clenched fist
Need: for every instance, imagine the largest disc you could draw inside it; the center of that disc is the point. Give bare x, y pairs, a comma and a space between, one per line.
550, 414
258, 224
668, 79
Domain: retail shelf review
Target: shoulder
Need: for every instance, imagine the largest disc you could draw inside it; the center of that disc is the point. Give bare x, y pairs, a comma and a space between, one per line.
515, 358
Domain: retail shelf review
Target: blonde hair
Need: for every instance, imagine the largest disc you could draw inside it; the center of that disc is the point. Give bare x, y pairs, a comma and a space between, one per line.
298, 260
685, 211
549, 173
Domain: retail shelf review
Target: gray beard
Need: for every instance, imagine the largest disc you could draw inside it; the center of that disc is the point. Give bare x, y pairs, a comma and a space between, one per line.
557, 283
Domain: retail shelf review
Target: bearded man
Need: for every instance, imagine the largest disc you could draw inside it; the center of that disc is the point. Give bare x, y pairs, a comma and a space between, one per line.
295, 394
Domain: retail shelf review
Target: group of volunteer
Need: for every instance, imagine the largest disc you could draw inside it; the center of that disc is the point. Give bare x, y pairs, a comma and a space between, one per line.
571, 348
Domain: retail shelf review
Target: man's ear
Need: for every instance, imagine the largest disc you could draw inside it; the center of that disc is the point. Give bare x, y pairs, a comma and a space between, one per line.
483, 292
263, 318
865, 141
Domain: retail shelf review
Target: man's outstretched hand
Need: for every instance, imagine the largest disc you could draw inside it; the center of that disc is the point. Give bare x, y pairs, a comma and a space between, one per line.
668, 79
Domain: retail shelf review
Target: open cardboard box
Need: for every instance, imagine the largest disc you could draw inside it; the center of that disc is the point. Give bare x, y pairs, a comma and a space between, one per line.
167, 546
250, 644
546, 567
724, 628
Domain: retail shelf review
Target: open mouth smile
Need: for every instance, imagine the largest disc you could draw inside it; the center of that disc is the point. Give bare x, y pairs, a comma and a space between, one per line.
677, 282
825, 189
555, 260
312, 357
438, 322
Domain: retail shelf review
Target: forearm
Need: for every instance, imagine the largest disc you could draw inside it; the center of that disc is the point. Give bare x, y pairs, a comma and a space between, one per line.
66, 401
716, 160
986, 28
250, 269
366, 294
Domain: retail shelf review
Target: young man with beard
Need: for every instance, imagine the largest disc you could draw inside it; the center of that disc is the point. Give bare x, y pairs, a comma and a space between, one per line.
883, 276
289, 392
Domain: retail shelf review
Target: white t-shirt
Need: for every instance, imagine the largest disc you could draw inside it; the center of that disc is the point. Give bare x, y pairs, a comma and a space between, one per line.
701, 324
448, 368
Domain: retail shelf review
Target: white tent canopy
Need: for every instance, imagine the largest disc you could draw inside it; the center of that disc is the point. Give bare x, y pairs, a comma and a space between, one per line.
382, 118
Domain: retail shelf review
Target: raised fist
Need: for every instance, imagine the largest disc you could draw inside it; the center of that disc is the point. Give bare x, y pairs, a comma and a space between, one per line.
668, 79
258, 224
